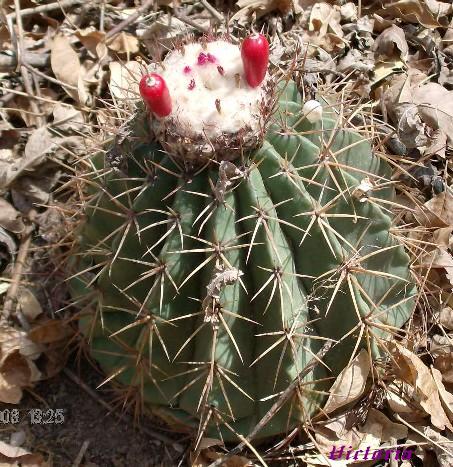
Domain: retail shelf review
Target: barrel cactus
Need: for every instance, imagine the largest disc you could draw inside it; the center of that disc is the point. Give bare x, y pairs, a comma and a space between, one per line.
230, 233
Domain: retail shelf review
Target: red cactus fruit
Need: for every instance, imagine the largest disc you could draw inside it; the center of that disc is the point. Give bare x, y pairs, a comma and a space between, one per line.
154, 92
255, 58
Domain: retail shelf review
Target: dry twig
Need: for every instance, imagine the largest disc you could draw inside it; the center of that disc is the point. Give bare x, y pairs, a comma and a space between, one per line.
10, 299
130, 19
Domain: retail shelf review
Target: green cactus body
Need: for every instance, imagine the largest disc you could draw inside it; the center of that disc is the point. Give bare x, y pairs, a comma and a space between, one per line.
215, 287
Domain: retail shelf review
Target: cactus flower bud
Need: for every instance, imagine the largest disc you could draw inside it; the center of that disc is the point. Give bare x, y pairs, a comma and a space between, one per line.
154, 92
255, 59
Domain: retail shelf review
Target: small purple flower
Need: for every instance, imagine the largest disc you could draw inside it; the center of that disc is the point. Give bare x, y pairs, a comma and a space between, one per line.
221, 70
186, 70
191, 85
203, 58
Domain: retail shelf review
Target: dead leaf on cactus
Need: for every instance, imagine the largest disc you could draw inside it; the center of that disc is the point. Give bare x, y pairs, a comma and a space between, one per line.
350, 384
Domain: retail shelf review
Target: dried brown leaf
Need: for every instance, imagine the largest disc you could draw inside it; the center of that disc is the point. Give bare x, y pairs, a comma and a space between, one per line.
92, 40
382, 428
10, 219
261, 8
48, 331
439, 9
325, 18
440, 345
447, 40
349, 12
446, 318
398, 394
21, 106
444, 364
39, 144
10, 393
445, 396
7, 242
442, 446
435, 106
398, 100
424, 12
335, 432
355, 60
17, 368
165, 30
124, 79
401, 86
413, 371
438, 211
391, 42
67, 118
437, 145
377, 429
14, 456
29, 191
28, 304
66, 67
350, 383
208, 454
124, 43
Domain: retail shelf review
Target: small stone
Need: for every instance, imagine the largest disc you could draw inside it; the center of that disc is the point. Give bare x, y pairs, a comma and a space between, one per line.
312, 111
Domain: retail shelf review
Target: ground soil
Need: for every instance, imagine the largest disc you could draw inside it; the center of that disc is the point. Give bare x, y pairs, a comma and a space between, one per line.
112, 442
